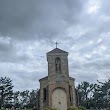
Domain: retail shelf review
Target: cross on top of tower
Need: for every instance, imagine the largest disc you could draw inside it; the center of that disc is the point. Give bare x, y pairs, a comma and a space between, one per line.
56, 44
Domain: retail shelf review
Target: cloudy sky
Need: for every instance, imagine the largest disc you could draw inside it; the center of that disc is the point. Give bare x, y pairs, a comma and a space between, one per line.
30, 28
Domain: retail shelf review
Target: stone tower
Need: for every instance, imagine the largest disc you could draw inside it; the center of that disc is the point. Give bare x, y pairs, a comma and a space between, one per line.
57, 90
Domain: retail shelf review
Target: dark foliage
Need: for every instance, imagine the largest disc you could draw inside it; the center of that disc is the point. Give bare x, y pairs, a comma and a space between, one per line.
6, 91
94, 95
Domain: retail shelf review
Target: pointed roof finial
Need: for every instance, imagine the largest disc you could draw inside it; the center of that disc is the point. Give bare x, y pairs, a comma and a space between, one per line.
56, 44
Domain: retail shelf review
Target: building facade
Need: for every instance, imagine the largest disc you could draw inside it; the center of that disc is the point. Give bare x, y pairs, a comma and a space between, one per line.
57, 90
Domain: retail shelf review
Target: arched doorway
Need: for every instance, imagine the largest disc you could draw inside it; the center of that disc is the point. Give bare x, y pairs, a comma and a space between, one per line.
59, 99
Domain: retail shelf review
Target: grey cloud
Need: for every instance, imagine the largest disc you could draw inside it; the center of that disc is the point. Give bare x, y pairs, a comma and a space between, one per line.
98, 64
33, 19
8, 53
85, 76
105, 6
13, 58
45, 22
31, 79
4, 47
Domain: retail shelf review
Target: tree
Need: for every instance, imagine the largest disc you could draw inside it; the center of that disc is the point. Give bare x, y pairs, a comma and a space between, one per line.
6, 91
87, 94
94, 95
28, 99
34, 98
83, 92
24, 98
102, 94
16, 96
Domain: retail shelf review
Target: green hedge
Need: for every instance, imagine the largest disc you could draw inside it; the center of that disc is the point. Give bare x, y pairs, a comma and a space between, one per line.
73, 108
50, 109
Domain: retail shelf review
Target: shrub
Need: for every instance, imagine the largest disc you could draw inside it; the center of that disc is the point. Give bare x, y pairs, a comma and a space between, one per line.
82, 108
73, 108
50, 109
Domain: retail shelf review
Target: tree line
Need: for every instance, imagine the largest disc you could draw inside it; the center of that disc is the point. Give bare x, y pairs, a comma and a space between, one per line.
94, 95
88, 95
18, 99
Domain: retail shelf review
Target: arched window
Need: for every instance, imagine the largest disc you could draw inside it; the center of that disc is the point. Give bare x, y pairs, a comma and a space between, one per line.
70, 93
58, 65
44, 94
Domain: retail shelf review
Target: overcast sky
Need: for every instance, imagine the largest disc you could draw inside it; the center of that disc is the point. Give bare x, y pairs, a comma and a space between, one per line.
30, 28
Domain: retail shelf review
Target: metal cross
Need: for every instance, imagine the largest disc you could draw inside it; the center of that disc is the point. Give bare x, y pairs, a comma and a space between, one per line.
56, 44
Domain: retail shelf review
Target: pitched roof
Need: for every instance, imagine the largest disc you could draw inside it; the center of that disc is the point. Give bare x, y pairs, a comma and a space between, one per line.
44, 78
57, 50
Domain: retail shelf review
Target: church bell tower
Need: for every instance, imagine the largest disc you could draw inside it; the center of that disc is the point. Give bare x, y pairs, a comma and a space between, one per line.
57, 90
57, 65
